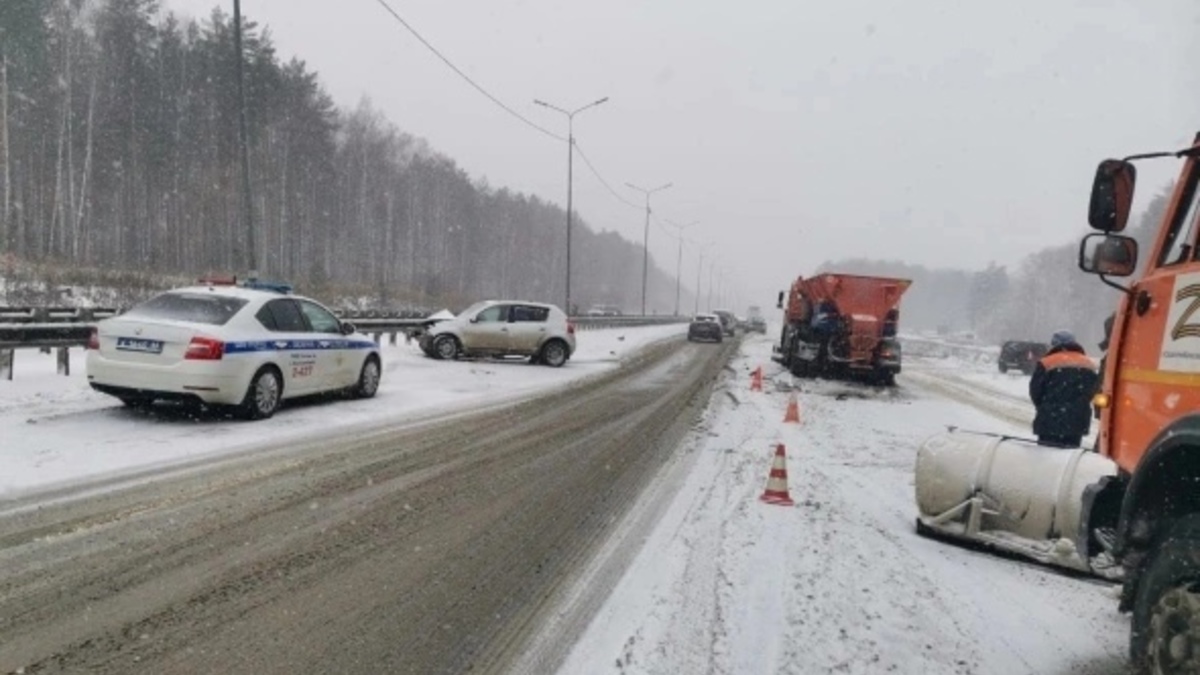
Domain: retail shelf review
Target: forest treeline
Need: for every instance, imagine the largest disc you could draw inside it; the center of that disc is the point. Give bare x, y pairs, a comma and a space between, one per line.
119, 149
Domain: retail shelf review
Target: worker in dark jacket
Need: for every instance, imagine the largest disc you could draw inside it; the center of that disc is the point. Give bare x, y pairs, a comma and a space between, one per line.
1061, 388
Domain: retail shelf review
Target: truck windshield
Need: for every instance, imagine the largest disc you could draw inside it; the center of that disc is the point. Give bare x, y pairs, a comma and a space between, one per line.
1180, 245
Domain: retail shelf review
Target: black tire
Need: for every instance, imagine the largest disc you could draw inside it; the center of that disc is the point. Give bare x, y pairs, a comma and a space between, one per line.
368, 378
263, 396
1003, 367
1168, 597
446, 347
554, 353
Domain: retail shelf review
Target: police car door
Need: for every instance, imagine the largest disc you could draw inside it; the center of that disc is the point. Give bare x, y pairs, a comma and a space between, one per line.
293, 348
335, 361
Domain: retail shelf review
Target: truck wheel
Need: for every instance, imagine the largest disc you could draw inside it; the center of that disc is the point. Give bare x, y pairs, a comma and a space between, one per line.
1165, 636
1003, 367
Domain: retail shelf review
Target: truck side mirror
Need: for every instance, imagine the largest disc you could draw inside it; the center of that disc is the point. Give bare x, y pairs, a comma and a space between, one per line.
1112, 255
1112, 195
779, 302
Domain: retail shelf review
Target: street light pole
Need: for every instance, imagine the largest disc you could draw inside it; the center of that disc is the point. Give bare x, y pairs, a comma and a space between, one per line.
570, 177
646, 238
712, 268
244, 136
699, 268
679, 261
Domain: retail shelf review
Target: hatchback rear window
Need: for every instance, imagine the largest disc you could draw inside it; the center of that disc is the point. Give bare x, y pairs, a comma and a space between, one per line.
525, 314
191, 307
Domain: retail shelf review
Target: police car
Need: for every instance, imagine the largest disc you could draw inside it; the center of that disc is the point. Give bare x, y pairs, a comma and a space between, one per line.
248, 345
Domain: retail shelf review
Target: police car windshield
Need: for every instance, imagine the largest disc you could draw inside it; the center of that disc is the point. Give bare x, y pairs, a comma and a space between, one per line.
213, 309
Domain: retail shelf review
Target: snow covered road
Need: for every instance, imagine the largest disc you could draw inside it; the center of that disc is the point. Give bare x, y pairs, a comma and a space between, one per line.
840, 583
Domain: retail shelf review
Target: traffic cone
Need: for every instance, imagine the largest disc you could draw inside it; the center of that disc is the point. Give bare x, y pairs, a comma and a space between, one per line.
793, 410
756, 379
777, 485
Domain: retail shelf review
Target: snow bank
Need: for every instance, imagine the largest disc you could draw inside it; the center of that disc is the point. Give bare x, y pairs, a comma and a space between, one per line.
55, 430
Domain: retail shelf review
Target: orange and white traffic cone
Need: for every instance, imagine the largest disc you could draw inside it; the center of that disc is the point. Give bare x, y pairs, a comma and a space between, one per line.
756, 379
777, 483
793, 410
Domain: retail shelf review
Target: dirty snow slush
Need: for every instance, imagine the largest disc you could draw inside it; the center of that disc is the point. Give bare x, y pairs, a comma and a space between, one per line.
428, 548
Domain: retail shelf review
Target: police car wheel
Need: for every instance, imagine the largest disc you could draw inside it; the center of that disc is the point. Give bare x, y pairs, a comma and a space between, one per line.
263, 396
368, 378
446, 347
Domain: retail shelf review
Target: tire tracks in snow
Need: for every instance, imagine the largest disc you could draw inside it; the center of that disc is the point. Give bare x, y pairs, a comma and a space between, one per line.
1001, 405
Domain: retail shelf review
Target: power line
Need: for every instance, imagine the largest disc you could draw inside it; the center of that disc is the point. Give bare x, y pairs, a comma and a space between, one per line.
466, 77
616, 195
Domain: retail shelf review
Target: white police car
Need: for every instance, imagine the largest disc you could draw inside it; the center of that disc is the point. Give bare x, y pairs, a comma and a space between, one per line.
230, 345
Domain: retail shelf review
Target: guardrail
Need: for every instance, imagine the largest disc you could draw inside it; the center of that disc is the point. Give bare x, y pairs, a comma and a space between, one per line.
61, 328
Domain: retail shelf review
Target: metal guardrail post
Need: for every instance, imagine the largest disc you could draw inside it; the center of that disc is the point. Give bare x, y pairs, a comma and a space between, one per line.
64, 361
7, 356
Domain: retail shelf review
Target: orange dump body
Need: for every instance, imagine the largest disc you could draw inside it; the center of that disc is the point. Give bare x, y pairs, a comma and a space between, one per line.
863, 303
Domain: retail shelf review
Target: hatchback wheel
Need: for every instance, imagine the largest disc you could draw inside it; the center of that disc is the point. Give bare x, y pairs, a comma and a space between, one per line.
554, 353
446, 347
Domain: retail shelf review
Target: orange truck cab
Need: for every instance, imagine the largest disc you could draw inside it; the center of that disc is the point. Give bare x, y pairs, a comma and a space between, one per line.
1148, 516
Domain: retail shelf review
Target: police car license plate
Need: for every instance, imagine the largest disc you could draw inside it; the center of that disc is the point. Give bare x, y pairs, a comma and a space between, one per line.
139, 345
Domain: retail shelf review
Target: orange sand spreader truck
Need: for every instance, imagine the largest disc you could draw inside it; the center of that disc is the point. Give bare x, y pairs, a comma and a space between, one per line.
1129, 508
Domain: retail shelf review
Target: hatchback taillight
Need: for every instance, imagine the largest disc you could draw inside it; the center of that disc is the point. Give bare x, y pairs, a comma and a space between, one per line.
93, 339
570, 328
204, 349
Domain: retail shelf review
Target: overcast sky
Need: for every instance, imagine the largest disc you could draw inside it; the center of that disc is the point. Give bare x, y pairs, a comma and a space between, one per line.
939, 132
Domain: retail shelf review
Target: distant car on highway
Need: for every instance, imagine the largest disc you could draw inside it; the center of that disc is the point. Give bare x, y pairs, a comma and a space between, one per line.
705, 327
756, 324
1021, 355
604, 310
729, 321
501, 328
223, 344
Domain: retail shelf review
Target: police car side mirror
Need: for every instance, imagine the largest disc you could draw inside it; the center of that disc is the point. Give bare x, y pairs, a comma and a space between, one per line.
348, 328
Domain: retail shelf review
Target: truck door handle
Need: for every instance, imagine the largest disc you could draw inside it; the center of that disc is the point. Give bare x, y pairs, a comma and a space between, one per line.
1142, 305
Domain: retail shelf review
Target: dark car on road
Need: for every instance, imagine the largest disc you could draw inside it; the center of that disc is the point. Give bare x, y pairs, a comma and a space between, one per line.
705, 327
728, 321
1021, 355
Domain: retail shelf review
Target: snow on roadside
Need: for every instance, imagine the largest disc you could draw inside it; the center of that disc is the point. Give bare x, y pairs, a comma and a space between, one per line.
840, 583
55, 431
